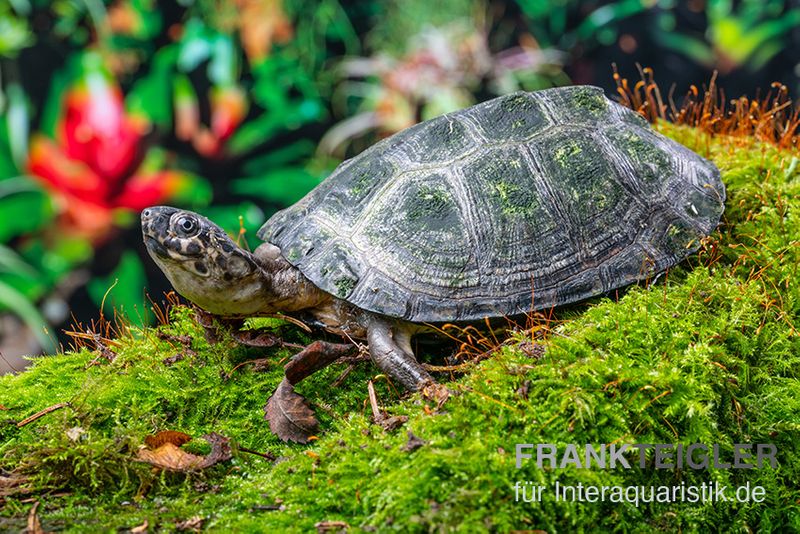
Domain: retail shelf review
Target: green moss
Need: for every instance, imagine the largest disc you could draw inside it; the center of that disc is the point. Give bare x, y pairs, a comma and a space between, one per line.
564, 154
516, 103
650, 162
680, 237
344, 286
710, 354
517, 201
362, 180
589, 99
429, 204
586, 177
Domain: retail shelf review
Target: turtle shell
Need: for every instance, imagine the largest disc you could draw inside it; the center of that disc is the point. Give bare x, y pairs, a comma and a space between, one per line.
524, 202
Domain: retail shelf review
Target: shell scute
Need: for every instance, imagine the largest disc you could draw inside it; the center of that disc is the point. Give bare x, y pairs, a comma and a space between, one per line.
513, 117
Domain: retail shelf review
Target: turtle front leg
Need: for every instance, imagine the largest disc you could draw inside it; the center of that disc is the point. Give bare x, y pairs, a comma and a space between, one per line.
390, 349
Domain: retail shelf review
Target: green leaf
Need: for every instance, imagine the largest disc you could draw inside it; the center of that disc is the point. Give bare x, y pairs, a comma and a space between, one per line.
24, 208
195, 46
59, 82
283, 186
17, 124
193, 192
695, 49
10, 261
55, 259
228, 218
302, 148
22, 7
14, 35
151, 96
222, 69
14, 301
261, 129
123, 290
607, 15
8, 168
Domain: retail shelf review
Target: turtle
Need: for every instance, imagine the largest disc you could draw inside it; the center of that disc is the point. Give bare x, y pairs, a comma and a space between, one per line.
525, 202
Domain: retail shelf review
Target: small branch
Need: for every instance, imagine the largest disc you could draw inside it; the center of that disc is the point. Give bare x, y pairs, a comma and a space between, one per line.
373, 401
34, 525
268, 455
42, 413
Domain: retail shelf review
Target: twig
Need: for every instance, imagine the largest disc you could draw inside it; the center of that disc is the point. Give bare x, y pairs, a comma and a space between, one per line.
34, 525
296, 322
447, 368
268, 455
373, 402
42, 413
344, 374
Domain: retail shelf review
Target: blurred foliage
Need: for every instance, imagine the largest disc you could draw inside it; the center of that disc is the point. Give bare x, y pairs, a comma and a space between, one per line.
747, 33
146, 99
556, 23
237, 108
14, 31
744, 34
420, 69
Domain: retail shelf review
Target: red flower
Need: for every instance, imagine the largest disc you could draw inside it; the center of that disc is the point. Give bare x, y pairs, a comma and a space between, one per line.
96, 166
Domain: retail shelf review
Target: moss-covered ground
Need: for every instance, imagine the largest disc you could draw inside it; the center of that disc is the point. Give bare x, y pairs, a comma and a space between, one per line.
709, 354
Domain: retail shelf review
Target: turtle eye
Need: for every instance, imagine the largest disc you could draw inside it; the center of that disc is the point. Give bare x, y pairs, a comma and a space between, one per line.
186, 226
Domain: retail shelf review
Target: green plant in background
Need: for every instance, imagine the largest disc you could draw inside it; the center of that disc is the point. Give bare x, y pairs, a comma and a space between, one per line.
25, 208
15, 32
440, 68
739, 34
227, 80
95, 160
564, 24
262, 76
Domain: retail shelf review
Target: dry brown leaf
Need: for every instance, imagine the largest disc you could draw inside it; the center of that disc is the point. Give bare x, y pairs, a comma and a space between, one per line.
262, 23
172, 360
171, 458
164, 452
167, 436
437, 393
413, 443
289, 415
324, 527
392, 422
220, 449
141, 528
256, 338
34, 525
194, 524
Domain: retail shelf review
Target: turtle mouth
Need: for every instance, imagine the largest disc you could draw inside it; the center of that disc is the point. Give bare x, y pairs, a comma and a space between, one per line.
154, 246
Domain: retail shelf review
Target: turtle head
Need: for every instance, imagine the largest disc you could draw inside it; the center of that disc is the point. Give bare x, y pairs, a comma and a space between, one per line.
203, 263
